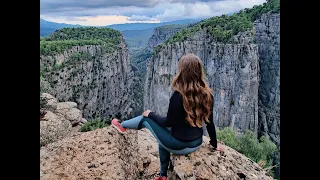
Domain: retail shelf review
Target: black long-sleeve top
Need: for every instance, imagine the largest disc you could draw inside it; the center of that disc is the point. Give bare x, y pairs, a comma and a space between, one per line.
181, 130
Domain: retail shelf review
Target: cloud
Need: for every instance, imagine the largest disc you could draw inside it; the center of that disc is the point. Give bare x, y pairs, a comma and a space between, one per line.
50, 5
90, 20
140, 18
126, 11
200, 10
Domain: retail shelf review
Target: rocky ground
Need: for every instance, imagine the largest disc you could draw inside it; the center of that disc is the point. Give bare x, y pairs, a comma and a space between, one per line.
101, 154
106, 154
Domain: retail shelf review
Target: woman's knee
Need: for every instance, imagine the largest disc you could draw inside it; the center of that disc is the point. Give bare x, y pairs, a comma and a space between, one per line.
132, 123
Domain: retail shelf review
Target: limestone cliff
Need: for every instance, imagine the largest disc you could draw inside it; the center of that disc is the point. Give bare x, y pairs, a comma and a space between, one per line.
242, 71
139, 58
106, 154
97, 76
267, 37
162, 33
232, 72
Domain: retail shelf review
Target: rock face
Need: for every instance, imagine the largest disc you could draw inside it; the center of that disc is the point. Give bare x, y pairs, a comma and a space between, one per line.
99, 82
232, 72
100, 154
267, 37
59, 119
138, 60
107, 154
162, 33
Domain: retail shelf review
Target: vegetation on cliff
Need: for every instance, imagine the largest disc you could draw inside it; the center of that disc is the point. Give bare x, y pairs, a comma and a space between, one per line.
258, 150
94, 124
171, 26
65, 38
223, 28
137, 39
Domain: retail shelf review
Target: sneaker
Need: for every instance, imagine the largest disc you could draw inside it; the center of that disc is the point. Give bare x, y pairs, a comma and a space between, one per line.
161, 178
115, 123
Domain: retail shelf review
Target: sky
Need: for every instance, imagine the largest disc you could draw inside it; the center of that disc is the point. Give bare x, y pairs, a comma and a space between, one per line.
107, 12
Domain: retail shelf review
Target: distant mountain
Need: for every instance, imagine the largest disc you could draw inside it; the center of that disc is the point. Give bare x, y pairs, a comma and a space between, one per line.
141, 26
44, 23
48, 27
139, 38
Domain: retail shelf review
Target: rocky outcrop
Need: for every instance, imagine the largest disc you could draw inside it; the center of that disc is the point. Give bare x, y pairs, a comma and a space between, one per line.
267, 37
99, 81
162, 33
59, 119
67, 110
53, 127
231, 69
101, 154
207, 164
107, 154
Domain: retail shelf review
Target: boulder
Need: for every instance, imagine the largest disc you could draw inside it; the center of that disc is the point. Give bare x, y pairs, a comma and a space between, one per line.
53, 127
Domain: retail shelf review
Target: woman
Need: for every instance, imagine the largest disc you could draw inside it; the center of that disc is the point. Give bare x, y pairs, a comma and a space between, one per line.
190, 105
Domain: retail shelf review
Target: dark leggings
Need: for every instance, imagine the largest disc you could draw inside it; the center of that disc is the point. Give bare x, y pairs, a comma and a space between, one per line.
167, 143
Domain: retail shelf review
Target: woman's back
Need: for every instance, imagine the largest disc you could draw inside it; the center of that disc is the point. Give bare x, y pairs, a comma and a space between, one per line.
180, 127
176, 119
191, 103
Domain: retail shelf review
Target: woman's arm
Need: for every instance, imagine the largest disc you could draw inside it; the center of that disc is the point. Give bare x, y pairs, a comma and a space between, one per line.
173, 112
212, 132
157, 118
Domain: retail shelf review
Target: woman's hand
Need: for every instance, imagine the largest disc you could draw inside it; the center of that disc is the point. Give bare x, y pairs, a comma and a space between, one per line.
146, 113
218, 148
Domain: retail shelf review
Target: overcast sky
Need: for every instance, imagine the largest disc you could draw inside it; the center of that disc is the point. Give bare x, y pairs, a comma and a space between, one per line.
106, 12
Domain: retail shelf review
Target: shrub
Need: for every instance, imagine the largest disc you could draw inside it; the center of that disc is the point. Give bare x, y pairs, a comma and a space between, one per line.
228, 136
93, 125
248, 144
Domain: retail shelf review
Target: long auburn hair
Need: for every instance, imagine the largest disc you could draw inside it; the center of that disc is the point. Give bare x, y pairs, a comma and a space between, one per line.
191, 84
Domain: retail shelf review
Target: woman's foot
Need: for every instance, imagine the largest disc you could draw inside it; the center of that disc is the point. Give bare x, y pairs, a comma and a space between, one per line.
116, 124
161, 178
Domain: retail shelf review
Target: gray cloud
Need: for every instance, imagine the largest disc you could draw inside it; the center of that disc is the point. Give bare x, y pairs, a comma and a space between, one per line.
74, 6
201, 10
143, 10
139, 18
58, 4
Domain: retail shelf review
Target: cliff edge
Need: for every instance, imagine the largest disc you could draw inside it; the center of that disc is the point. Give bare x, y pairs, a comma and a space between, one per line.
106, 154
